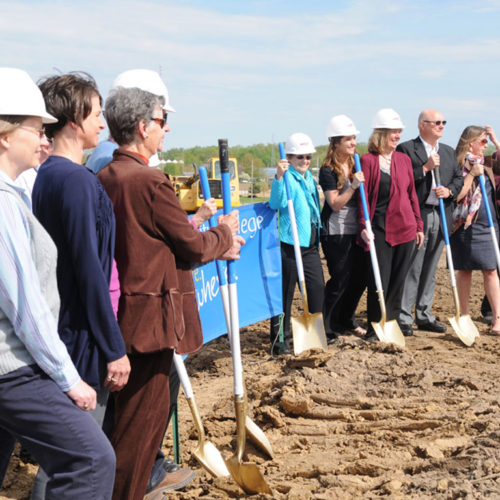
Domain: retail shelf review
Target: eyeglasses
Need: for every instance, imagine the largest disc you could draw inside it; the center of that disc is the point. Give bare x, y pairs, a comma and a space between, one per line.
40, 132
437, 122
301, 157
160, 121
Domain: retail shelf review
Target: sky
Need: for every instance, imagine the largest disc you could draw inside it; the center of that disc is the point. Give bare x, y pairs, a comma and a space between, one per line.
258, 71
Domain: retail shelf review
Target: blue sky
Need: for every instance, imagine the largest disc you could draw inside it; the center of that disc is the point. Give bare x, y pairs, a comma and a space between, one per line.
257, 71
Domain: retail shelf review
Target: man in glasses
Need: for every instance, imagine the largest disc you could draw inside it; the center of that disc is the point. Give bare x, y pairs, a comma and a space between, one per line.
427, 154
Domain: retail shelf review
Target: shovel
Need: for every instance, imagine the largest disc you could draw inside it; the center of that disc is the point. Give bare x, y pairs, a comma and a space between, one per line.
246, 474
308, 330
386, 331
462, 325
206, 453
256, 435
490, 220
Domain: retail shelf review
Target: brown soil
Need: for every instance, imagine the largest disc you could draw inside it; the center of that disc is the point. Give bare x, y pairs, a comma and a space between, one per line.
362, 420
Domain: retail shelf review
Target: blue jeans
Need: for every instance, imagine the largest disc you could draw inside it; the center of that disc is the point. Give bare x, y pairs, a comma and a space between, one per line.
65, 440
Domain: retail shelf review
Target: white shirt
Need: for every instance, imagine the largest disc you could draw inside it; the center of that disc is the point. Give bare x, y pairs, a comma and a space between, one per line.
432, 199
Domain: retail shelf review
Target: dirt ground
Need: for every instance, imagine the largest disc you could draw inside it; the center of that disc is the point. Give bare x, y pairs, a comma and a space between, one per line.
362, 420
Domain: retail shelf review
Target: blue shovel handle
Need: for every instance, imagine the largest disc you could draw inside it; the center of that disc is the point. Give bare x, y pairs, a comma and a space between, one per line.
485, 200
357, 167
285, 176
205, 189
441, 209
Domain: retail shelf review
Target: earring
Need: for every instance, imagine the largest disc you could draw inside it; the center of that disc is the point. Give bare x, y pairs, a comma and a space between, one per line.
146, 136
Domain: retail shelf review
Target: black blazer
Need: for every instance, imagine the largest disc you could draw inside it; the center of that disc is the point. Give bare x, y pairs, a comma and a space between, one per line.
449, 170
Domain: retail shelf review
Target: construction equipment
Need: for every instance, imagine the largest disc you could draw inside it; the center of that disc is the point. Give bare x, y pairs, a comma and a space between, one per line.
189, 191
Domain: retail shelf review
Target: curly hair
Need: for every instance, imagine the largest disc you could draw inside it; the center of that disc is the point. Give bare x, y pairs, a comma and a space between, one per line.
332, 161
125, 108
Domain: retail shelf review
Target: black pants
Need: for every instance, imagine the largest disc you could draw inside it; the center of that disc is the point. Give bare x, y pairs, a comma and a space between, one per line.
315, 285
348, 274
394, 263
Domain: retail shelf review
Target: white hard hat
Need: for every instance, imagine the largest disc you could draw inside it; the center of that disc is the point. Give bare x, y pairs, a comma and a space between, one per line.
341, 126
144, 79
19, 95
387, 118
299, 144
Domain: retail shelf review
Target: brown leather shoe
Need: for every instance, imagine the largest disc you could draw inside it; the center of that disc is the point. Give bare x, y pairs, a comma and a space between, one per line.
172, 481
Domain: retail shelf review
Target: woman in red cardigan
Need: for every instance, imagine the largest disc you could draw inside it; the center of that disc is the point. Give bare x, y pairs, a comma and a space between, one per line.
394, 213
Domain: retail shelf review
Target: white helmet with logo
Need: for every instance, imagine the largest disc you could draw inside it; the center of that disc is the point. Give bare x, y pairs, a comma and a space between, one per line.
387, 118
19, 95
341, 126
299, 144
144, 79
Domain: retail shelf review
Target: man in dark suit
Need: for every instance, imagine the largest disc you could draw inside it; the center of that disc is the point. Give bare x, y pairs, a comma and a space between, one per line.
426, 154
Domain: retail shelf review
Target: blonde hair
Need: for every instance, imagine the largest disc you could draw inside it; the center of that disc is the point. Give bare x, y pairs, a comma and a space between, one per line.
377, 140
470, 134
332, 161
9, 123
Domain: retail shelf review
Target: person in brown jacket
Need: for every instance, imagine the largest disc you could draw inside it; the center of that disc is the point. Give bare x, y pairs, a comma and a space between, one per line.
155, 248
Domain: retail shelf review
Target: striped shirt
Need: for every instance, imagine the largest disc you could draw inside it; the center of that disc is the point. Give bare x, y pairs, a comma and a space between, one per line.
29, 301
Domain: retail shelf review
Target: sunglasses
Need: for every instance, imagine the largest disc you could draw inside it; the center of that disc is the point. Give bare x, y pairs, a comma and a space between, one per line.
484, 141
40, 132
437, 122
160, 121
301, 157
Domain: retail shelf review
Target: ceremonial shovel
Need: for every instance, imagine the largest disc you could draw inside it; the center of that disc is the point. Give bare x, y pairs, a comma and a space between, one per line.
308, 330
247, 475
462, 325
386, 331
206, 453
255, 433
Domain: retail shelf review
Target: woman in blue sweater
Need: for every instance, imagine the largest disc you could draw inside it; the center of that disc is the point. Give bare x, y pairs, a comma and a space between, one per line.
73, 207
299, 150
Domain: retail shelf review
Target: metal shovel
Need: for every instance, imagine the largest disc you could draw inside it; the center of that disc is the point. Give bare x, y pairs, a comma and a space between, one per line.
255, 433
247, 474
386, 331
206, 453
462, 324
308, 330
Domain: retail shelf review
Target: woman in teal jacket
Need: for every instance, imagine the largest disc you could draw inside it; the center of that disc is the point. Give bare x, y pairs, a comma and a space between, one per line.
299, 150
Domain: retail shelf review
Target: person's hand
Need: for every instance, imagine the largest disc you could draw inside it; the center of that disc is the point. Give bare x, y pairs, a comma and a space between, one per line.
477, 169
281, 168
492, 136
442, 192
432, 162
234, 252
207, 209
232, 220
118, 372
366, 236
83, 396
357, 179
420, 239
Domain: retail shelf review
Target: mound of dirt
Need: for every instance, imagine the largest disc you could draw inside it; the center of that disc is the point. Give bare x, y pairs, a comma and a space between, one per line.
361, 420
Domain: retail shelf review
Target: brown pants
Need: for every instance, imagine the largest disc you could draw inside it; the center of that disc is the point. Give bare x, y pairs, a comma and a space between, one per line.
141, 413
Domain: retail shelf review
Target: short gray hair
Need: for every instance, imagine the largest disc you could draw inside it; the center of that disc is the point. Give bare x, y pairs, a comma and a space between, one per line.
125, 108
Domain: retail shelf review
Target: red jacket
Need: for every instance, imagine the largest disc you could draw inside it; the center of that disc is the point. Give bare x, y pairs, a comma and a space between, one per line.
155, 246
402, 219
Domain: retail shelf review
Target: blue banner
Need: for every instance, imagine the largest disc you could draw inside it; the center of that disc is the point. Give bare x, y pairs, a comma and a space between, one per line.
258, 274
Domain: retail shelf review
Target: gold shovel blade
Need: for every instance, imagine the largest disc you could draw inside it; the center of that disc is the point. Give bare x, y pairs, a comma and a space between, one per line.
248, 476
308, 332
257, 436
389, 332
465, 329
210, 458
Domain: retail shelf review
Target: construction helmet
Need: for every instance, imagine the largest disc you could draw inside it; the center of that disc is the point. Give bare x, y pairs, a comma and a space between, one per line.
341, 126
19, 95
144, 79
299, 144
387, 118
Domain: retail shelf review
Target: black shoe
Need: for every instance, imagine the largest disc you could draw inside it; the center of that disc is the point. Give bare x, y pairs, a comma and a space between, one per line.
170, 466
488, 318
282, 349
370, 336
406, 330
432, 327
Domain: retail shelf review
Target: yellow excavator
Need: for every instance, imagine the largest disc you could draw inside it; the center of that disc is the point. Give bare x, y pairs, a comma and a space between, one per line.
188, 189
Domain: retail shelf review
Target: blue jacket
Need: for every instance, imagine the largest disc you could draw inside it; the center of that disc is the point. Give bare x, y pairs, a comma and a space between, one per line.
305, 203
